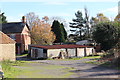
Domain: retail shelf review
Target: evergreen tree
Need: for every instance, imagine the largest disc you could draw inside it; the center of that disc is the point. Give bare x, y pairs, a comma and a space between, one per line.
78, 24
59, 31
82, 26
64, 31
2, 18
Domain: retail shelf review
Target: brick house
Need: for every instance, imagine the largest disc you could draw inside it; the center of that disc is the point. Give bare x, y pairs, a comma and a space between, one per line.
7, 48
18, 31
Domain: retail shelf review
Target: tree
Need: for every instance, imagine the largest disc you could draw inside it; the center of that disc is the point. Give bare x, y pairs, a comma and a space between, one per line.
107, 34
59, 31
2, 18
45, 18
78, 24
40, 32
81, 26
100, 18
31, 18
117, 18
64, 31
87, 32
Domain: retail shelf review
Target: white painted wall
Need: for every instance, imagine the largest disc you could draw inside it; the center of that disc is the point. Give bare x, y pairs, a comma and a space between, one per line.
89, 51
71, 52
80, 52
53, 52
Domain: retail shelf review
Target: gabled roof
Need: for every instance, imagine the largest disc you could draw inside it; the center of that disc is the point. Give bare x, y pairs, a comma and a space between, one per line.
59, 46
4, 39
13, 27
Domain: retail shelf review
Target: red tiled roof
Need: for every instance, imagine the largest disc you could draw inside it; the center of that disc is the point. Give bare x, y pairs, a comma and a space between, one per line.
4, 39
60, 46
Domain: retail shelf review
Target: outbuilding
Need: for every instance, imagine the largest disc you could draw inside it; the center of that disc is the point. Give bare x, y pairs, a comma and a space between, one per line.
59, 51
7, 48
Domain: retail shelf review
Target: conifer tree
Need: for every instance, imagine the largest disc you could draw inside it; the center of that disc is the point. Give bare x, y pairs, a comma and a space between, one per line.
59, 31
2, 18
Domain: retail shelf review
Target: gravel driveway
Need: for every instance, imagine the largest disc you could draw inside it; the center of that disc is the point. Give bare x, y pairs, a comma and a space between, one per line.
85, 70
80, 68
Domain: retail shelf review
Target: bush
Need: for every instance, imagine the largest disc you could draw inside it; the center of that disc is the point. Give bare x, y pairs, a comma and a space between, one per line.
107, 34
107, 55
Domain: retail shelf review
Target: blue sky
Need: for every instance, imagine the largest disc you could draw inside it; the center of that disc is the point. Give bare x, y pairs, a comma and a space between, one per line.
15, 9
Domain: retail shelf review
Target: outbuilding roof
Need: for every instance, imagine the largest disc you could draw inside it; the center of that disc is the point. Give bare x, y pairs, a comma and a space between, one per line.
4, 39
59, 46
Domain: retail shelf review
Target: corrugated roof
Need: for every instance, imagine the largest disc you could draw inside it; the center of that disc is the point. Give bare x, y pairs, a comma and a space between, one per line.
4, 39
59, 46
13, 27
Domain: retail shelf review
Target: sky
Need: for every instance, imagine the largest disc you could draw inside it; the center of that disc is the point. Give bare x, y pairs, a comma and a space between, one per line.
65, 9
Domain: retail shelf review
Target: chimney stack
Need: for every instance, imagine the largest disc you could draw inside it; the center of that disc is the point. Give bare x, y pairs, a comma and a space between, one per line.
23, 19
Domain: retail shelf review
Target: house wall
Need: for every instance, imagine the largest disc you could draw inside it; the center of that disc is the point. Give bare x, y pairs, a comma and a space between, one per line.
7, 52
26, 37
23, 40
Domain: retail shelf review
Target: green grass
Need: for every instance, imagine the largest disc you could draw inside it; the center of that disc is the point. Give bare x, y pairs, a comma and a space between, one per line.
9, 70
13, 72
103, 63
88, 57
46, 71
91, 57
22, 54
93, 62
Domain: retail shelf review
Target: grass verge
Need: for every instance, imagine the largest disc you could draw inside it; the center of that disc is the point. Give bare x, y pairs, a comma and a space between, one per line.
103, 63
45, 71
78, 58
9, 70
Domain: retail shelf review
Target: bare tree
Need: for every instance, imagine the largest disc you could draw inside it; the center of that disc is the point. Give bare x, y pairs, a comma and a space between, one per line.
40, 30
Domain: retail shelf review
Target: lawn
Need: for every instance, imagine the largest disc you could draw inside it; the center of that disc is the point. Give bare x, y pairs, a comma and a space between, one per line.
9, 70
27, 69
87, 57
42, 70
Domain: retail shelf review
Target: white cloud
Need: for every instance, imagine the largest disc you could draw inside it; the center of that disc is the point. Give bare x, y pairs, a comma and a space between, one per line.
59, 1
